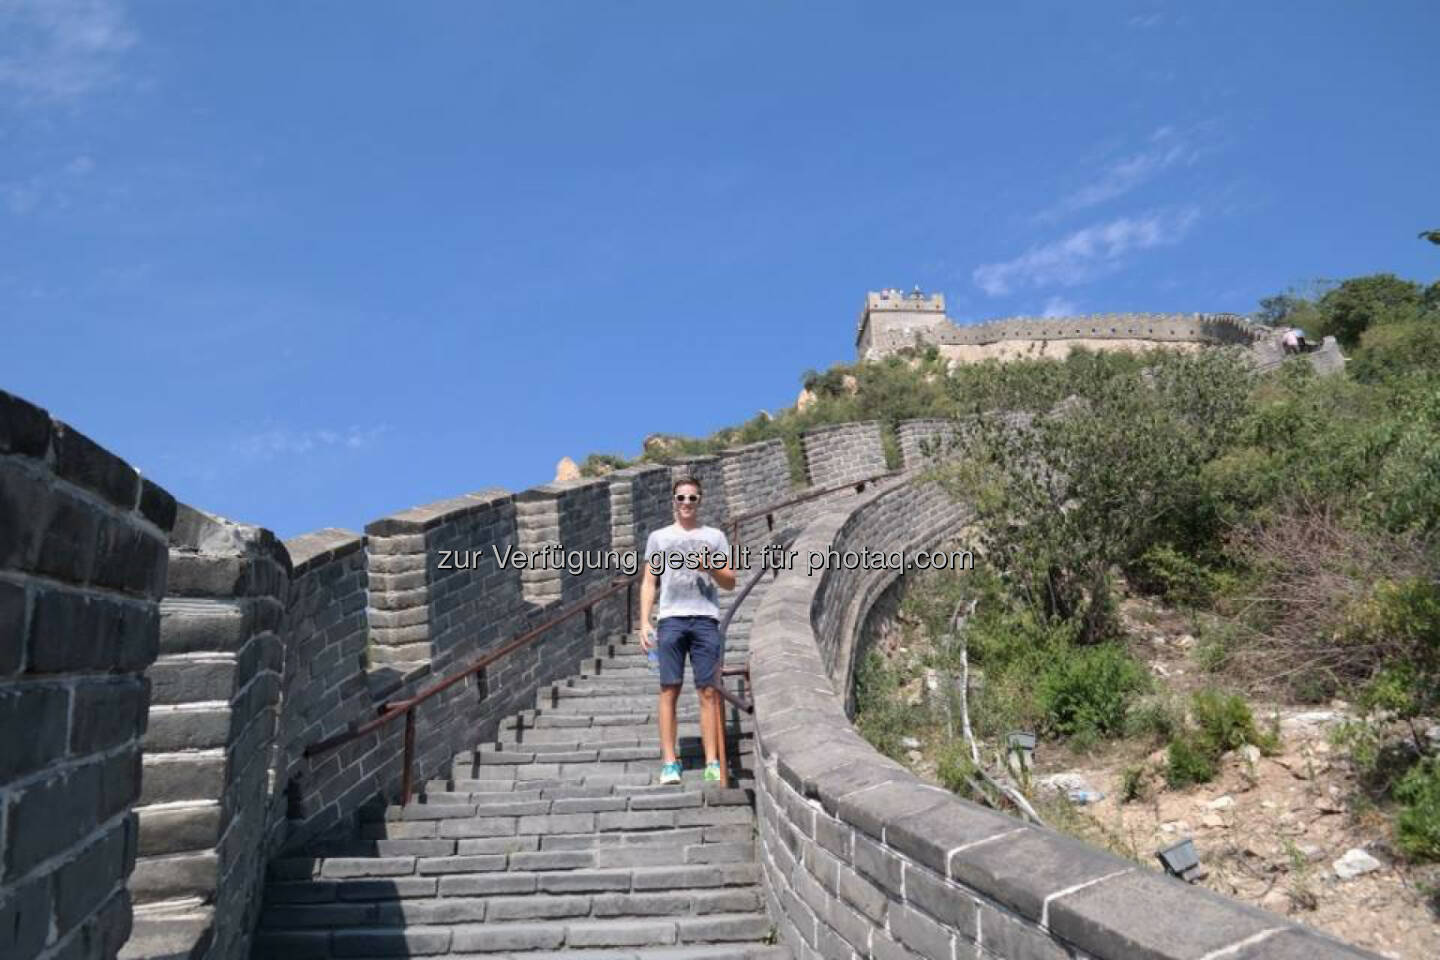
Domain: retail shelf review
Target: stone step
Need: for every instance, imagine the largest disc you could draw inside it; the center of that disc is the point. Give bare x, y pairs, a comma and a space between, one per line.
421, 839
192, 677
179, 827
170, 930
174, 876
587, 753
352, 879
513, 936
186, 775
543, 776
598, 894
187, 726
457, 805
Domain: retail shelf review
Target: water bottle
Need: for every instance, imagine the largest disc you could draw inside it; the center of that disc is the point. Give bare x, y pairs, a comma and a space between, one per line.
653, 658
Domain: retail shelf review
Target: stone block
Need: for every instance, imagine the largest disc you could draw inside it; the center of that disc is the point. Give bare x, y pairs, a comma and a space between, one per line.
491, 938
1134, 914
25, 912
108, 713
50, 816
411, 942
85, 463
85, 882
1020, 871
42, 711
25, 429
923, 935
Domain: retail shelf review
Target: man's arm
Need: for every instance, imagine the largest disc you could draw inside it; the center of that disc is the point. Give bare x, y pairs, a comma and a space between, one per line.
724, 577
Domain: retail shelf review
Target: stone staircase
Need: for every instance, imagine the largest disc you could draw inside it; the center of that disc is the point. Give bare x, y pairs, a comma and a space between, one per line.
554, 839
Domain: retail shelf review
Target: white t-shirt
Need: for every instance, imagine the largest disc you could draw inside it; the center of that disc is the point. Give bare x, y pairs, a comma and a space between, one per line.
685, 592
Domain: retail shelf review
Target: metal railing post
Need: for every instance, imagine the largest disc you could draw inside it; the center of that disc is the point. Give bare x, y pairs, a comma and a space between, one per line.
408, 781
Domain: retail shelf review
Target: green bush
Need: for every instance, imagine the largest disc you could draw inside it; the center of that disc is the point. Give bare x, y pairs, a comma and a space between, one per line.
955, 769
1086, 691
1188, 760
1134, 783
1417, 827
1226, 723
881, 716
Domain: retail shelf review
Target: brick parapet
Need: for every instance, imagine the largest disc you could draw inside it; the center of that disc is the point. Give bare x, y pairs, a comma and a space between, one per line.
843, 453
83, 562
861, 859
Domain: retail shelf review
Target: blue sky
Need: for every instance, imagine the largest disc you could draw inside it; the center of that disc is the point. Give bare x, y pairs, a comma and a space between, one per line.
310, 263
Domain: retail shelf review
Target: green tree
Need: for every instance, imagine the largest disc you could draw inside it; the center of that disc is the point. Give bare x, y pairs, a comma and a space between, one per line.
1360, 302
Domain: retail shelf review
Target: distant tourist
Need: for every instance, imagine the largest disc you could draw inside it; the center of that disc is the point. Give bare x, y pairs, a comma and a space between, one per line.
1291, 341
689, 622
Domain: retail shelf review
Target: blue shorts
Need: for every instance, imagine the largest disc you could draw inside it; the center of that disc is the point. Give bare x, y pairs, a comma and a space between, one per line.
697, 636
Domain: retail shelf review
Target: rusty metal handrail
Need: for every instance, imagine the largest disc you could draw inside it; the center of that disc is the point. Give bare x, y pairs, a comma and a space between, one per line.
391, 709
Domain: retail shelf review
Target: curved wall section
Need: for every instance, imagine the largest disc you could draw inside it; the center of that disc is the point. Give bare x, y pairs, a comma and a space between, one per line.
862, 859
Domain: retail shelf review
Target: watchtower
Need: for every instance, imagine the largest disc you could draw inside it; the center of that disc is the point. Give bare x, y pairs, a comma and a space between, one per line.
894, 311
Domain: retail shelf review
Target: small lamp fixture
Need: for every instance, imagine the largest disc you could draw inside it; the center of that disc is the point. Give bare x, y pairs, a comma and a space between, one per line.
1182, 861
1021, 750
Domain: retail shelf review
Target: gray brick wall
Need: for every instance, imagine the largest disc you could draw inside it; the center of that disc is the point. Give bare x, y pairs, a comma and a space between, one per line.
843, 453
757, 476
862, 859
324, 683
82, 569
214, 706
925, 442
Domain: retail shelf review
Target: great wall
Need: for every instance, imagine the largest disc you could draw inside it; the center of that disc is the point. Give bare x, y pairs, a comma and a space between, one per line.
202, 733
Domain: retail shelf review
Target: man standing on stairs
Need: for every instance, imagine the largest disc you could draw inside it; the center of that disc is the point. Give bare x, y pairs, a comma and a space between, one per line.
689, 621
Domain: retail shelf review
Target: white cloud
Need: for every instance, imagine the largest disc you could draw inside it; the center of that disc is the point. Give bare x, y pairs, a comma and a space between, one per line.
1165, 149
1146, 21
1059, 307
286, 442
57, 50
1085, 254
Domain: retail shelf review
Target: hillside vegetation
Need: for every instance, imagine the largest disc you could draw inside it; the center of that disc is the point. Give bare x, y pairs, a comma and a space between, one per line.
1295, 518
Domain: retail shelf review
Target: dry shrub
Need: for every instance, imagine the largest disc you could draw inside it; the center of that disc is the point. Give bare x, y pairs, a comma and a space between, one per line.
1289, 631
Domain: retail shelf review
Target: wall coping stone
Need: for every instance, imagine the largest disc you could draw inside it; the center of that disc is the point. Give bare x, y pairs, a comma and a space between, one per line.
431, 515
1094, 901
321, 546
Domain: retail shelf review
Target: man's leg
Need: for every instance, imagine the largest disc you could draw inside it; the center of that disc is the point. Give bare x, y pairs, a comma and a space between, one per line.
710, 724
670, 643
669, 694
706, 653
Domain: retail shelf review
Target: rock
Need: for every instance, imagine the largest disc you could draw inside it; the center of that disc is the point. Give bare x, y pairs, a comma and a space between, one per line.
1221, 803
851, 385
1250, 754
1065, 782
932, 679
566, 471
910, 743
1185, 641
1433, 735
805, 401
914, 756
1310, 723
1354, 863
1214, 821
1311, 852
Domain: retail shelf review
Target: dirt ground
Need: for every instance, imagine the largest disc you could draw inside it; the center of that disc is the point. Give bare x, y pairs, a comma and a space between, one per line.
1271, 830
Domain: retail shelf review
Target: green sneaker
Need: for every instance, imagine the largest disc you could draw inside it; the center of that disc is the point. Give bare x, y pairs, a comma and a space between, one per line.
712, 772
670, 772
